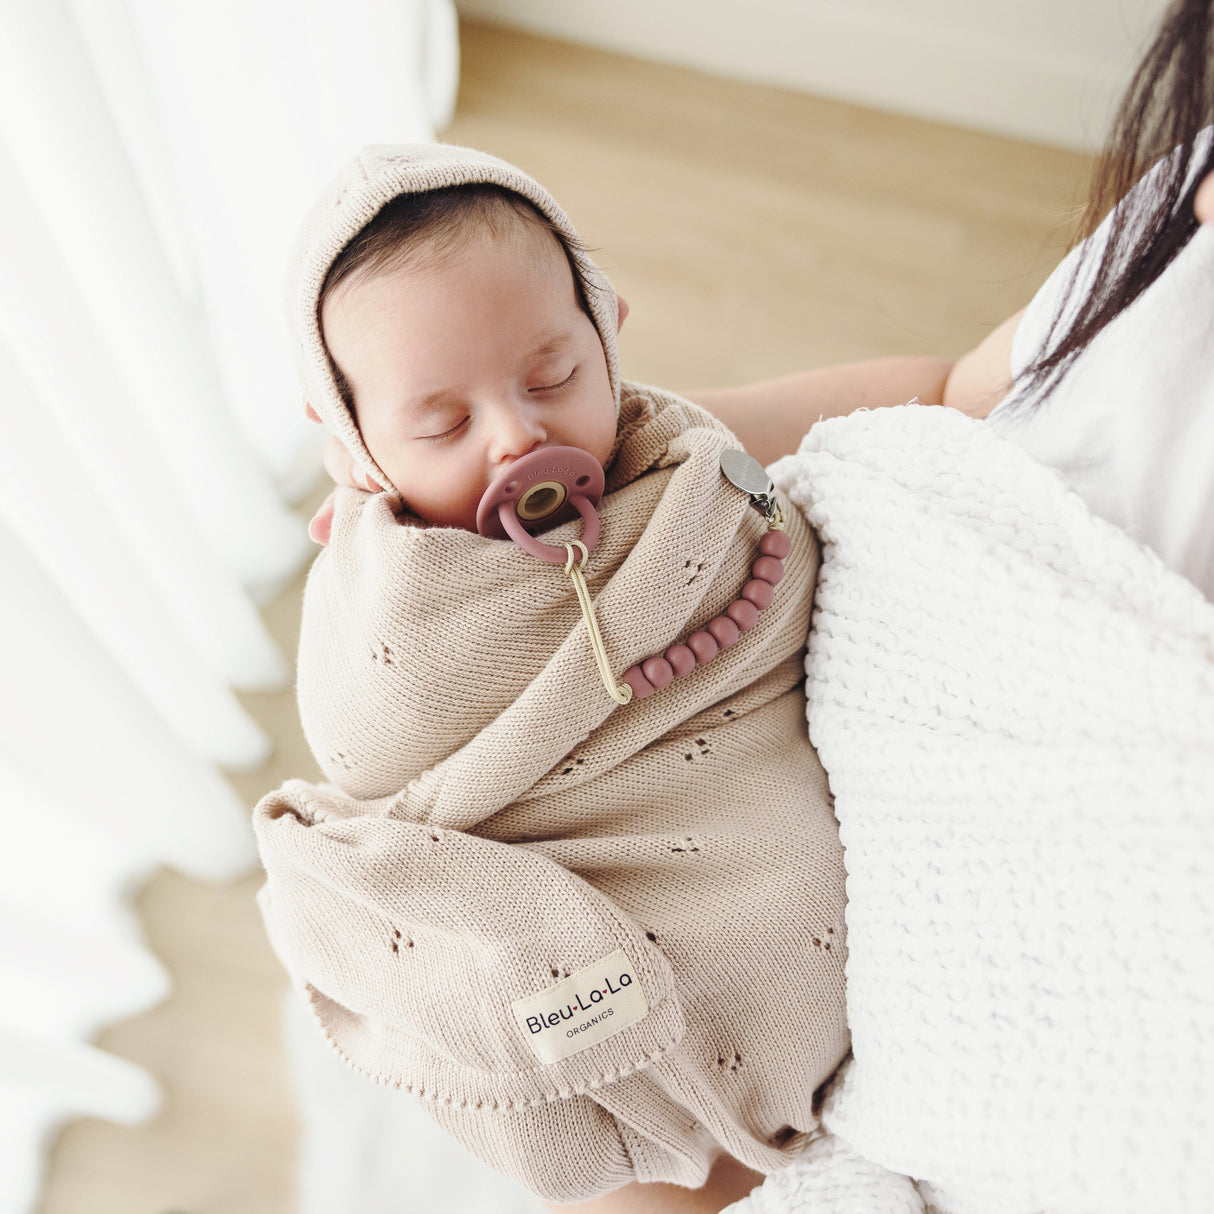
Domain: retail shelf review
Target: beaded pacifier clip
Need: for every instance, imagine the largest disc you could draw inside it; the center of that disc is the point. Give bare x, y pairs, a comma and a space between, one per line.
554, 484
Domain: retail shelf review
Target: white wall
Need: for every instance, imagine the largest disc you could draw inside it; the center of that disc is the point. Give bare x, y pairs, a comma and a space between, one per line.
1048, 70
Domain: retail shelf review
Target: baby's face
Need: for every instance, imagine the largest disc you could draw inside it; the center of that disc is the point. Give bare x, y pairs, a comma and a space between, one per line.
460, 367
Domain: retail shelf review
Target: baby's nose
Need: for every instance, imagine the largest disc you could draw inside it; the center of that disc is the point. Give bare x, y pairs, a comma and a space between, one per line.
515, 433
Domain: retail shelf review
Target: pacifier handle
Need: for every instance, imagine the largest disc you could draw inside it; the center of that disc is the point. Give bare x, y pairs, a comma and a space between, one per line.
540, 490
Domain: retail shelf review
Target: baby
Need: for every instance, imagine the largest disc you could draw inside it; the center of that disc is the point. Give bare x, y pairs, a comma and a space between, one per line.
601, 941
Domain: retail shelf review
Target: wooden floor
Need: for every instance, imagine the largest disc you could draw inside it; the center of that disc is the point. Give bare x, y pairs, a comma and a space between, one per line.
754, 232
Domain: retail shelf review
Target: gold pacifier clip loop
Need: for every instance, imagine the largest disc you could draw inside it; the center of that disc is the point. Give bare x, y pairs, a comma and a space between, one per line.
621, 693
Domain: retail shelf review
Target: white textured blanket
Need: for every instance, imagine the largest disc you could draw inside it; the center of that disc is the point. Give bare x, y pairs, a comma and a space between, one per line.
1015, 706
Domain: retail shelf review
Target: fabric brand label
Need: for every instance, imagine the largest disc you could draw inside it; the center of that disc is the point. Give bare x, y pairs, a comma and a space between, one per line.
580, 1011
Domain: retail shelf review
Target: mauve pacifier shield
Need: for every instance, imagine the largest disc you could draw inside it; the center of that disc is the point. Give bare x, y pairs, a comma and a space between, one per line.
539, 491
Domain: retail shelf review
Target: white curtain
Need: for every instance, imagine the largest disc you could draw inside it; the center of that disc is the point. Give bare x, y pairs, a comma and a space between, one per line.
156, 157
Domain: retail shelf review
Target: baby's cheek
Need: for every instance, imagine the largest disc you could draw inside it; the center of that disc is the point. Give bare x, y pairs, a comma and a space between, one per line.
446, 497
598, 438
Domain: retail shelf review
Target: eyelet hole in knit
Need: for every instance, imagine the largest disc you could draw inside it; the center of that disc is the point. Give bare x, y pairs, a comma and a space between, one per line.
382, 657
730, 1062
702, 751
696, 567
688, 846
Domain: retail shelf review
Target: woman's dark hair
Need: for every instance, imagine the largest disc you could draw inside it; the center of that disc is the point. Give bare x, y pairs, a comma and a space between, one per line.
436, 223
1169, 101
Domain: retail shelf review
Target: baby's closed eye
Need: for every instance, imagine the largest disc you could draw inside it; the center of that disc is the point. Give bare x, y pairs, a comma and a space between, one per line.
557, 384
450, 432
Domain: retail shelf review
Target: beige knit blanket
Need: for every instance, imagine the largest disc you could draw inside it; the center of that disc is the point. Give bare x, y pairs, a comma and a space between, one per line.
599, 942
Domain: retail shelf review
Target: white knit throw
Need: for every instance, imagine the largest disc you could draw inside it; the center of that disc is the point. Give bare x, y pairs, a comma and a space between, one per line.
1015, 705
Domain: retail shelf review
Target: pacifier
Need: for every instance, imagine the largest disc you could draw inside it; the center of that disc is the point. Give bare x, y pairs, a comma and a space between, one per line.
538, 491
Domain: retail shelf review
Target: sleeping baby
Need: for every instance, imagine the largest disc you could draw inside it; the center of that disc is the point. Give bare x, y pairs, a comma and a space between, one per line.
574, 880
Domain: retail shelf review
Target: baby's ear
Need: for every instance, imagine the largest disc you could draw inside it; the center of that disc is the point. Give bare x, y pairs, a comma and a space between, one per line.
621, 311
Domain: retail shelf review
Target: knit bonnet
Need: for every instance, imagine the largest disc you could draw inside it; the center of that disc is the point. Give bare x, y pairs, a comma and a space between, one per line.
377, 175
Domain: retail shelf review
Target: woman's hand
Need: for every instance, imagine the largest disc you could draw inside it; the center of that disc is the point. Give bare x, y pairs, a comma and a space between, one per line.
729, 1181
339, 464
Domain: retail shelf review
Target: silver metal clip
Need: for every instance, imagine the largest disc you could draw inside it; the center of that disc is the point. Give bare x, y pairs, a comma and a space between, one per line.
746, 473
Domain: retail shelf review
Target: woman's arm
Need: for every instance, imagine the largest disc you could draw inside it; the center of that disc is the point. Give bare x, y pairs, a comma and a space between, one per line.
729, 1181
771, 418
980, 379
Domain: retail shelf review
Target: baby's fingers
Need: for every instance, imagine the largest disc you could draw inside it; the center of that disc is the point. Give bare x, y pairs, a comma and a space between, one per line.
322, 521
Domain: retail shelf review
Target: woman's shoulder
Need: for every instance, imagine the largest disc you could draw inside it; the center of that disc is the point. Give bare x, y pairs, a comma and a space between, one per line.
1061, 296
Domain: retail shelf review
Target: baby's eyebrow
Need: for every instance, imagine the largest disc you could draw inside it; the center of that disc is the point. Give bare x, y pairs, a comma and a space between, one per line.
551, 345
427, 404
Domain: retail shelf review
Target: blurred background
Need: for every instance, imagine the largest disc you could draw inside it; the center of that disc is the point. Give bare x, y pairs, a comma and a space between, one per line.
772, 186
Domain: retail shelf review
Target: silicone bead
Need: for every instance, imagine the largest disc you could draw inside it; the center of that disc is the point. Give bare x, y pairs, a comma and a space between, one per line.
768, 568
724, 631
775, 543
655, 673
759, 593
743, 613
658, 671
682, 660
641, 686
703, 645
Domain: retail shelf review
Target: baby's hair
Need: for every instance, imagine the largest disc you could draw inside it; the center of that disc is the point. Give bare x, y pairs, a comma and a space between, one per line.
431, 226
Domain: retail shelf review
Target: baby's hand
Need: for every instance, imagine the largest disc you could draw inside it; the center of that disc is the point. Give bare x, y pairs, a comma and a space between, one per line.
339, 464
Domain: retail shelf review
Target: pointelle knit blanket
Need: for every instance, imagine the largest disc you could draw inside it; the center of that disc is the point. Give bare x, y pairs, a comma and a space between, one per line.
599, 942
1015, 705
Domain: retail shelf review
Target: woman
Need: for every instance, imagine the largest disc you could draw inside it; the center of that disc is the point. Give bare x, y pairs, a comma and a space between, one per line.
1108, 374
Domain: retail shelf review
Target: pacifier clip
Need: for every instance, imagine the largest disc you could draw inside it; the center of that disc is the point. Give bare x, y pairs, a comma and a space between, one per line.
554, 484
